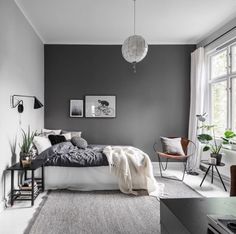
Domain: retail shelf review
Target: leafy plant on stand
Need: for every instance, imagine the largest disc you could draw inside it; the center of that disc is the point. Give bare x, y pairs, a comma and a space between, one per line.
210, 142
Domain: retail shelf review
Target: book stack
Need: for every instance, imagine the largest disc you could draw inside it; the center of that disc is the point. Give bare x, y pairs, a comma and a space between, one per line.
26, 189
222, 224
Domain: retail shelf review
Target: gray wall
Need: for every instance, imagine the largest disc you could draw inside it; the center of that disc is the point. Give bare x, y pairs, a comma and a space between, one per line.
150, 103
21, 72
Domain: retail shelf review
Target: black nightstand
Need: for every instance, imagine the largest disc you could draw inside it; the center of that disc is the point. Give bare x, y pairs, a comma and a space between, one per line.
16, 193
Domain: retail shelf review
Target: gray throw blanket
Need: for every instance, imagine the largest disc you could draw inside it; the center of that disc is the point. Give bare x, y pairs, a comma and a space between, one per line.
66, 154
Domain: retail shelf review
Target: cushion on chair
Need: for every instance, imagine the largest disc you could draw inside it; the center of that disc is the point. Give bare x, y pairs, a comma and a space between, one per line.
172, 146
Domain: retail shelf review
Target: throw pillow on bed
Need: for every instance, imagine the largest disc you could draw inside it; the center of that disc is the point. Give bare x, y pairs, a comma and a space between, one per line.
67, 136
56, 139
73, 134
172, 146
41, 143
56, 132
79, 142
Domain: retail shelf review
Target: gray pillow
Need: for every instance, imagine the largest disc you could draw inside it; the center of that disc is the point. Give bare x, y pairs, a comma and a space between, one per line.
172, 146
79, 142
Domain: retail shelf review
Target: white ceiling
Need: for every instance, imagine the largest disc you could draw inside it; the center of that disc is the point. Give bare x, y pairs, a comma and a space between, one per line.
111, 21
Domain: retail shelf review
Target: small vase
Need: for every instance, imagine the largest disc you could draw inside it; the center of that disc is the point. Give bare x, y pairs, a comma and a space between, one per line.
218, 158
25, 159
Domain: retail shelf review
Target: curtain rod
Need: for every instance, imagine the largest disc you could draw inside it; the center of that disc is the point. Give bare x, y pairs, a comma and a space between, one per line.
220, 36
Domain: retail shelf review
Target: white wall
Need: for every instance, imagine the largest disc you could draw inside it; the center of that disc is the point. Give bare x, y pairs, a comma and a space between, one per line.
21, 72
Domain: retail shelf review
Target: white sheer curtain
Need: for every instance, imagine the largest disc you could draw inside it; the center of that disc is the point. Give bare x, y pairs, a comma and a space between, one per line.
198, 100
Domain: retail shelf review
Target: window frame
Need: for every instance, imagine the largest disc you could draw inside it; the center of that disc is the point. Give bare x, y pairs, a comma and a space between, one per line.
230, 75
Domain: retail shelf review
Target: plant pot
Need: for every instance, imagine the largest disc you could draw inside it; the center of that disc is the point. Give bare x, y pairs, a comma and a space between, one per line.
218, 158
25, 159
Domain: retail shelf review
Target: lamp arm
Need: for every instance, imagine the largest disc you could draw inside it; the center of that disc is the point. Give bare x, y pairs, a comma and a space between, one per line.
19, 101
13, 105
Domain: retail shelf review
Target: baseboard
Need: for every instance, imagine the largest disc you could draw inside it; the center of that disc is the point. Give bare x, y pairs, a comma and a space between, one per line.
2, 206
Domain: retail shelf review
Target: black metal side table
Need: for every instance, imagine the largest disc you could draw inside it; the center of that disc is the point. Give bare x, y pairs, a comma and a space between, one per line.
16, 193
211, 166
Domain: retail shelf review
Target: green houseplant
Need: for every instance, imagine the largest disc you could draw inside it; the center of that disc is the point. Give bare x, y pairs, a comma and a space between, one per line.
229, 139
210, 143
25, 147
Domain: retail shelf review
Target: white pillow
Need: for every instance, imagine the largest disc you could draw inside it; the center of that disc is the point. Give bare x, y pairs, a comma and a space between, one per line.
172, 146
41, 143
67, 136
73, 134
57, 132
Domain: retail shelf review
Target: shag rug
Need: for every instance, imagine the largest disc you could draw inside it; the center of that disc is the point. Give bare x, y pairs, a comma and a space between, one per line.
102, 212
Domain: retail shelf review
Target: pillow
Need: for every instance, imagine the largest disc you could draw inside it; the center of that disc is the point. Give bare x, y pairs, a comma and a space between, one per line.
172, 146
56, 132
67, 136
56, 139
41, 143
45, 134
79, 142
73, 134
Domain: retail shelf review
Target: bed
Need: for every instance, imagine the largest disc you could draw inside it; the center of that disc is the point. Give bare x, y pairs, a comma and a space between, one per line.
67, 167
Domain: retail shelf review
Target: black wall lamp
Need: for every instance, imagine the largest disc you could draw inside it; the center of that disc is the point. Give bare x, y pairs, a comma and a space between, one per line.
19, 102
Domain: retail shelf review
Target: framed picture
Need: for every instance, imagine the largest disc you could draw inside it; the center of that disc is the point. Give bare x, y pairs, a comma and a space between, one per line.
100, 106
76, 108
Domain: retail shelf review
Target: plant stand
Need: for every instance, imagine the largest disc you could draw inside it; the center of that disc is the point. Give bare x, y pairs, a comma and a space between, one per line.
211, 166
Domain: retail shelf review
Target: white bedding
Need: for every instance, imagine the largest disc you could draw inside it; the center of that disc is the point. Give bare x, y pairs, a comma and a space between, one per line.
85, 178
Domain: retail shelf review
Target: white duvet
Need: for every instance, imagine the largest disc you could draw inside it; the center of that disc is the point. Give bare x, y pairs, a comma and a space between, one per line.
127, 162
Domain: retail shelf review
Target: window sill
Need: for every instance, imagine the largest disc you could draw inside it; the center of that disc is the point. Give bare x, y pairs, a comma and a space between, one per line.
229, 148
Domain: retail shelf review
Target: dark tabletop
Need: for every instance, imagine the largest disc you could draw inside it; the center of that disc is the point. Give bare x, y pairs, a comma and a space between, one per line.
207, 163
35, 164
192, 212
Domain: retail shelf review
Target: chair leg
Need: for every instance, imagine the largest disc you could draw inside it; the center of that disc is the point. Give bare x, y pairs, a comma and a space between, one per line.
160, 166
171, 178
185, 165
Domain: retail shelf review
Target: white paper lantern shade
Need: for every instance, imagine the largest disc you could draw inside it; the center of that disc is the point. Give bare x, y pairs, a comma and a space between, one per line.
134, 49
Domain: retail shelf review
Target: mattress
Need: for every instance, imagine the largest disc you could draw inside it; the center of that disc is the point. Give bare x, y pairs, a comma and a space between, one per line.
84, 178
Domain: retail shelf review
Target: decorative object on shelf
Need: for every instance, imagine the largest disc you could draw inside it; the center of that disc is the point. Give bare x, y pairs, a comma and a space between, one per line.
19, 103
210, 143
25, 148
135, 48
76, 108
212, 160
100, 106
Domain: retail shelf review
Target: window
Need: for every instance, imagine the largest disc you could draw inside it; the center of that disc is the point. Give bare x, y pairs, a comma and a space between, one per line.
222, 81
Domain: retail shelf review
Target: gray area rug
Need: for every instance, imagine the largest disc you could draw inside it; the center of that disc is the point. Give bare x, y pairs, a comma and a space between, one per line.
105, 212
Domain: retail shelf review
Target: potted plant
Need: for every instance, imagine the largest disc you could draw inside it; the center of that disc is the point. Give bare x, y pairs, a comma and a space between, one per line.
229, 139
210, 143
25, 147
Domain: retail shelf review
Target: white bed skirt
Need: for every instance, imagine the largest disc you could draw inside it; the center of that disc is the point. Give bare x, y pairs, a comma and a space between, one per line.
85, 178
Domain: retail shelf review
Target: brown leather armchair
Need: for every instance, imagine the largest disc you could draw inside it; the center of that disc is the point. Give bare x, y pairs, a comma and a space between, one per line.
233, 180
166, 157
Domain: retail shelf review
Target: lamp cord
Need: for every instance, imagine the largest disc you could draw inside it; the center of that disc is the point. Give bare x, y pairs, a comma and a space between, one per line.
134, 15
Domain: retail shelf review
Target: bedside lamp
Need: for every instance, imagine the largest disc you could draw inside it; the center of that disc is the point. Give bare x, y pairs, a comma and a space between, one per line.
19, 103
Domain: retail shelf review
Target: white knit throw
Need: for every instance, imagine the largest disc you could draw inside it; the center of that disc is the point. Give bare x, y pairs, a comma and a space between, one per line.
126, 162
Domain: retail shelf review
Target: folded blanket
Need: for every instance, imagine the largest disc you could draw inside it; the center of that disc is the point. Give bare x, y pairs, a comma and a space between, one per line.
126, 162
